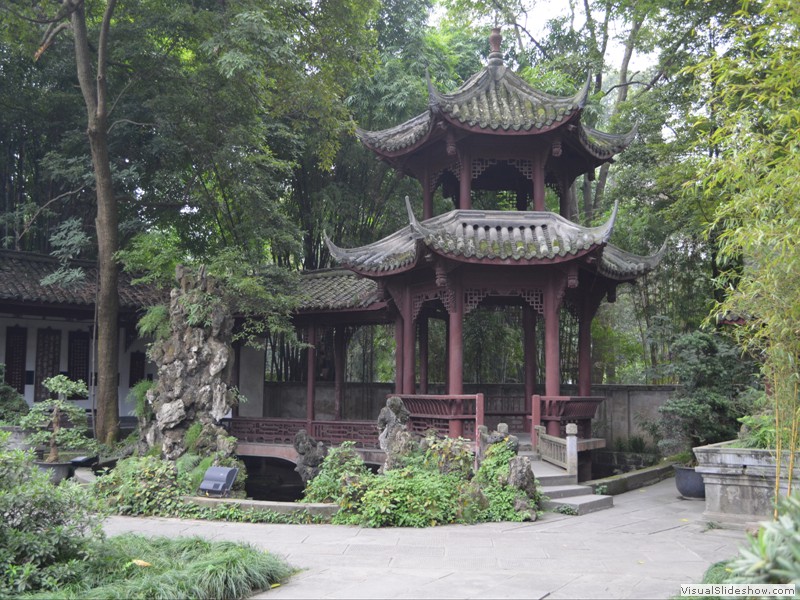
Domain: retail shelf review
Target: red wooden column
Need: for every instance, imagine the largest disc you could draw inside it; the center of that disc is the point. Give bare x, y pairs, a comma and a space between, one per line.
455, 341
340, 369
529, 350
398, 355
552, 367
422, 332
409, 341
465, 182
311, 374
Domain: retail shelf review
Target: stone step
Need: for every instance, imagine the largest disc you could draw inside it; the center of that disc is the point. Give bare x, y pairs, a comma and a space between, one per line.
553, 479
581, 505
565, 491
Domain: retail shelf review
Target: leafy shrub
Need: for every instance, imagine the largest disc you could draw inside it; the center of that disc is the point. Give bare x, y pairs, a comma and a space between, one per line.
772, 556
503, 499
406, 498
46, 531
342, 476
434, 488
143, 486
12, 404
449, 455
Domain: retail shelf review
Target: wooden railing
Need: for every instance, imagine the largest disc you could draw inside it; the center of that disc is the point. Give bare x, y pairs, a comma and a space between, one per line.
450, 415
282, 431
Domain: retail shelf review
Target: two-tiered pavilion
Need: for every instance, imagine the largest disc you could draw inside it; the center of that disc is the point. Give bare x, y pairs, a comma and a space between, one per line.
495, 132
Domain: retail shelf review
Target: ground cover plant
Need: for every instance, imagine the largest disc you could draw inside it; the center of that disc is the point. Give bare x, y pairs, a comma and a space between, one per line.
52, 546
434, 485
131, 566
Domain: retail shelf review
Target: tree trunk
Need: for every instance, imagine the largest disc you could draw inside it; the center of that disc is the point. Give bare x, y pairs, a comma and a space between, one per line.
95, 99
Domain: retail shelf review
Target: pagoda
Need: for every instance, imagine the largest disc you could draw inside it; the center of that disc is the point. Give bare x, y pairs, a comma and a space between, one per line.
496, 132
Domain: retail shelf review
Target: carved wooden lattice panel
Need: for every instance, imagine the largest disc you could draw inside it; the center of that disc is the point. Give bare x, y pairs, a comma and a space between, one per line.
474, 296
16, 349
363, 433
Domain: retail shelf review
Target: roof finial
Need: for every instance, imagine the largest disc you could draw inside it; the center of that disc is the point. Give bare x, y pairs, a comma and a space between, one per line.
495, 40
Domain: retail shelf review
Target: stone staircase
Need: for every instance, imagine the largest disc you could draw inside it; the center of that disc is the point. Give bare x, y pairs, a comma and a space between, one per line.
561, 489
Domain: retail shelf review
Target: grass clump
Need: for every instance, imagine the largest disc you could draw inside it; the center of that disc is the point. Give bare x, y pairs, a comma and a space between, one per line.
133, 566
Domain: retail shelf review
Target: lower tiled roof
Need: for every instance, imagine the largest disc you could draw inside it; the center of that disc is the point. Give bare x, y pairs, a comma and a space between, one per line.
336, 289
21, 274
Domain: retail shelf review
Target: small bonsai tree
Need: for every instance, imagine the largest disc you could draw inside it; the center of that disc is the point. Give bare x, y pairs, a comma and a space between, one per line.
12, 404
57, 423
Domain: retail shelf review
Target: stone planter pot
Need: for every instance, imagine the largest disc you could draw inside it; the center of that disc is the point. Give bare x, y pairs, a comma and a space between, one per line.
689, 482
740, 482
58, 471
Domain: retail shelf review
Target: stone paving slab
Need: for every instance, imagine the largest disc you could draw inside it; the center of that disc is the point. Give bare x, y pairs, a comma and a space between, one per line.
646, 546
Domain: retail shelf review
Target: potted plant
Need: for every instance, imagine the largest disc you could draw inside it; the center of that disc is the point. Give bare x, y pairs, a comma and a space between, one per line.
58, 424
714, 381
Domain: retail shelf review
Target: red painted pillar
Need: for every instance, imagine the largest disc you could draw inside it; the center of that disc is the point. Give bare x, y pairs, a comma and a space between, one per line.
340, 369
398, 355
529, 350
423, 355
552, 367
447, 354
409, 341
455, 344
311, 375
465, 183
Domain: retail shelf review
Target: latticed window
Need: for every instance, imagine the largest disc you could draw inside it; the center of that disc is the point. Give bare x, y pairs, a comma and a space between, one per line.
78, 353
137, 368
48, 359
16, 349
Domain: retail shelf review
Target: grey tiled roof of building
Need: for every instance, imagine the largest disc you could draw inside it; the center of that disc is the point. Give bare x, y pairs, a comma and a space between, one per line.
21, 274
336, 289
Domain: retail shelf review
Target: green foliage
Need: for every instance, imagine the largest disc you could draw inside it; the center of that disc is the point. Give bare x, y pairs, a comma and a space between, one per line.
192, 435
772, 555
132, 566
142, 408
154, 323
565, 509
433, 488
754, 171
59, 424
406, 498
46, 530
714, 379
342, 476
143, 486
12, 404
150, 486
449, 455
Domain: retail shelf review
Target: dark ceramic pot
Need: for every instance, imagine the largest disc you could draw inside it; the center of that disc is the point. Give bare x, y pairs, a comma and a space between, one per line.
689, 482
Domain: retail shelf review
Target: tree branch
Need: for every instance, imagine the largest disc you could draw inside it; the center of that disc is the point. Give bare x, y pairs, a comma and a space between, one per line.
29, 223
118, 121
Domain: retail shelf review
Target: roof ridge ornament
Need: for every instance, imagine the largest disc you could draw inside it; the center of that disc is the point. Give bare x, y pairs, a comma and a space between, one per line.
495, 41
419, 232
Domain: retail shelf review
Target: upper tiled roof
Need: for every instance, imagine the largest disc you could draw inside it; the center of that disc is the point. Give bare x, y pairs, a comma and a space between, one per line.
20, 282
494, 236
496, 98
336, 289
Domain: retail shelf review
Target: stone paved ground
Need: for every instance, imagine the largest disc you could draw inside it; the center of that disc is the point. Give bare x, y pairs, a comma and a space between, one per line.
644, 547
